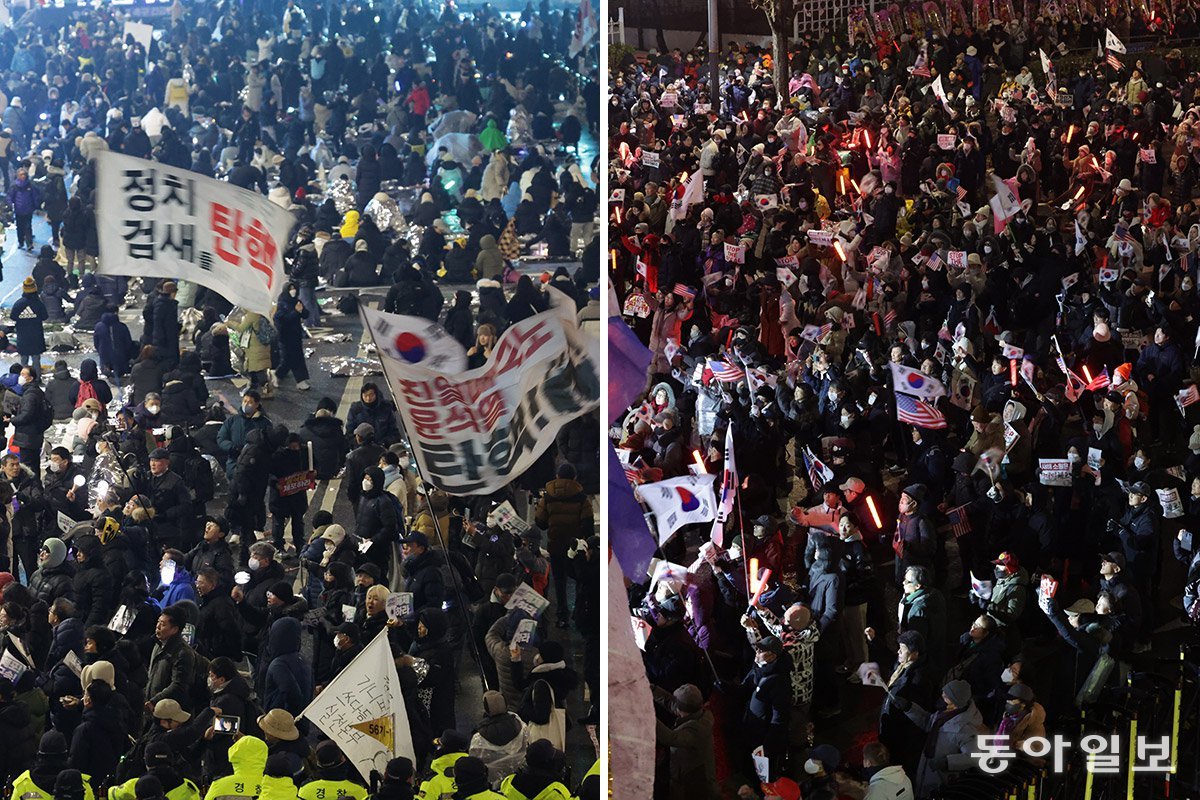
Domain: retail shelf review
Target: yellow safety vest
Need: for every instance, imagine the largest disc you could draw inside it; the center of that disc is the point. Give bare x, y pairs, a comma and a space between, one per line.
441, 783
331, 790
555, 791
24, 788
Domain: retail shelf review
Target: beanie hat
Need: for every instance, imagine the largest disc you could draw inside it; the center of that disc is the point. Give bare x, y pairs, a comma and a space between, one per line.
959, 693
828, 755
688, 699
57, 551
399, 769
552, 652
452, 741
53, 743
541, 755
29, 285
158, 754
100, 671
279, 765
916, 491
282, 591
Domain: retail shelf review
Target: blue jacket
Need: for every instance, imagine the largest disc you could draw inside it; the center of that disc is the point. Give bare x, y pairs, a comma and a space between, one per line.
23, 195
181, 588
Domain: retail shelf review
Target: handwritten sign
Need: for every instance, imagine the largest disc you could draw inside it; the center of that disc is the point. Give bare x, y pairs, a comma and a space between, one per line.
946, 141
1054, 471
649, 158
735, 253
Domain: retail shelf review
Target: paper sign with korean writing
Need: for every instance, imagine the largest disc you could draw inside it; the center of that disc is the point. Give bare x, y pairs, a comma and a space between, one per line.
946, 141
821, 238
668, 100
1172, 506
649, 158
1054, 471
735, 253
636, 305
156, 221
525, 598
1148, 155
474, 432
703, 108
1010, 436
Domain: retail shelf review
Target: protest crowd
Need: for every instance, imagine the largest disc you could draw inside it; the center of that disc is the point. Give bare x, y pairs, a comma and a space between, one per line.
161, 638
907, 381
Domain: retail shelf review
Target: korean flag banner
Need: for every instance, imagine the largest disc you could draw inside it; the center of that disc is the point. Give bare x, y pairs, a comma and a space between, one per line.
415, 340
678, 502
160, 222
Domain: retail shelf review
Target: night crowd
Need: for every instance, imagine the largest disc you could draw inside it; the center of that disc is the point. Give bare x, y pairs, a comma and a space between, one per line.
942, 289
161, 636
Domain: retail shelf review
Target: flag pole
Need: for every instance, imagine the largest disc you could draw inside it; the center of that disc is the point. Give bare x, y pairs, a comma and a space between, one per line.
437, 525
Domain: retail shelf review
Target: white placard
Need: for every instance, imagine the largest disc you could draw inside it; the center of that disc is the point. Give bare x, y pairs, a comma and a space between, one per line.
528, 600
1054, 471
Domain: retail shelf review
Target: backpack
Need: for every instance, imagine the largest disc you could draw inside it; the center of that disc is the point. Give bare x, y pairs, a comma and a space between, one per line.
87, 391
265, 332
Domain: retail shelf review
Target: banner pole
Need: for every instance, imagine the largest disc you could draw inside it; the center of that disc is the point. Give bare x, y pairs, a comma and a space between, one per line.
437, 525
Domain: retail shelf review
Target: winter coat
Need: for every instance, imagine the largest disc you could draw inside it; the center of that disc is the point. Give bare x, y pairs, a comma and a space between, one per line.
171, 670
50, 583
890, 783
94, 592
54, 194
256, 353
955, 742
490, 262
380, 415
114, 343
1138, 533
328, 444
218, 629
566, 513
54, 296
1009, 597
23, 197
917, 538
91, 307
60, 392
74, 228
379, 523
511, 674
234, 432
924, 611
28, 314
693, 760
32, 419
423, 577
98, 743
288, 684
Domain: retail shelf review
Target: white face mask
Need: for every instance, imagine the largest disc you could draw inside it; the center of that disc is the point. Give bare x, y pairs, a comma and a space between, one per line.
1139, 463
367, 485
1073, 458
152, 409
22, 380
254, 563
1007, 676
812, 767
55, 466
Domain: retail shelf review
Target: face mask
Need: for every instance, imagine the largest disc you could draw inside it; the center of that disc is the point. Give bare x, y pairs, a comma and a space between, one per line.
55, 466
812, 767
834, 397
987, 249
1098, 429
871, 399
1007, 676
367, 485
22, 380
1139, 463
1073, 458
846, 420
212, 685
152, 409
1012, 708
247, 409
405, 463
253, 563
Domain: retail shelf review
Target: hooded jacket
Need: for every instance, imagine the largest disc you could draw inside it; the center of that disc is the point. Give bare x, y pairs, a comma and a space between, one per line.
248, 756
890, 783
288, 684
952, 748
423, 577
566, 513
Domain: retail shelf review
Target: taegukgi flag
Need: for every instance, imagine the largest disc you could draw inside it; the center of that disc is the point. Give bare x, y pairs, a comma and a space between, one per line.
157, 221
362, 710
679, 501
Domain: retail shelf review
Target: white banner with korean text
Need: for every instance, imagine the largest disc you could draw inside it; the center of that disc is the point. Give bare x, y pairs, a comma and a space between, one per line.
474, 432
157, 221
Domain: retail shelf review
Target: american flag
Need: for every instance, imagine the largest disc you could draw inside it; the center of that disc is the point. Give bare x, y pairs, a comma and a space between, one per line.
914, 411
1122, 234
935, 261
633, 475
921, 68
1113, 61
960, 193
960, 523
1188, 396
1099, 382
889, 319
725, 372
686, 292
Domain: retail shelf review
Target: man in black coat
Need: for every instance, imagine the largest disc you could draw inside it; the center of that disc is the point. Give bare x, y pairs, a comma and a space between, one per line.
422, 572
365, 455
923, 609
770, 708
30, 501
171, 500
31, 420
66, 492
213, 553
218, 629
909, 679
165, 337
18, 743
1138, 533
93, 585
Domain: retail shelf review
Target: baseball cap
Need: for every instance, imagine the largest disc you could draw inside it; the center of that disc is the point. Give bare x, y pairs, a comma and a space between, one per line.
769, 644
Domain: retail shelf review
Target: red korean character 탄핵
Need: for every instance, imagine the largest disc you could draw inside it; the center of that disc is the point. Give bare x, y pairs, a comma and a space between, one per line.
261, 249
226, 225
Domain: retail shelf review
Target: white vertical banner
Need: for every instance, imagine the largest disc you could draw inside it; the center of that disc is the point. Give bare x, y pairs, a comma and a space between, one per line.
362, 710
157, 221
